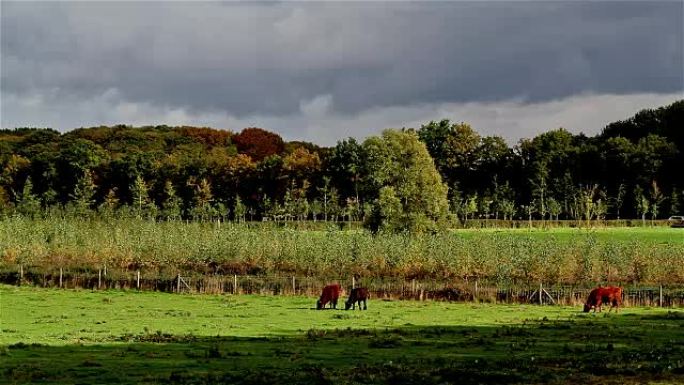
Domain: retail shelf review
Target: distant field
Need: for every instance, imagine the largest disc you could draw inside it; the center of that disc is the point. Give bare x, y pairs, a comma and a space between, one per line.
56, 336
661, 235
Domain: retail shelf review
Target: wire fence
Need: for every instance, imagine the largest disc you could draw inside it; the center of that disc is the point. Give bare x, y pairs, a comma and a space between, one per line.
463, 289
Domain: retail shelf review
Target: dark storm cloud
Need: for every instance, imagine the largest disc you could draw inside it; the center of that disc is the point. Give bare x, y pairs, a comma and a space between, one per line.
268, 59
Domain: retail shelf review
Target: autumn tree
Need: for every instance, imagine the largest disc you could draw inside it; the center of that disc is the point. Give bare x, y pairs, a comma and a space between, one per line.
258, 143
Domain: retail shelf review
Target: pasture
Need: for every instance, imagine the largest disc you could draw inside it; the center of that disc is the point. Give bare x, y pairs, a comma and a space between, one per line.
88, 337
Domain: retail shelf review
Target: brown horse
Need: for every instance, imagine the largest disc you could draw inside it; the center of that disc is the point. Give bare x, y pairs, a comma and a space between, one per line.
358, 295
331, 293
601, 295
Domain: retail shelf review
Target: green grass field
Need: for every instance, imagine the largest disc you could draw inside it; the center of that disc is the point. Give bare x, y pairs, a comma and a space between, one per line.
653, 235
84, 337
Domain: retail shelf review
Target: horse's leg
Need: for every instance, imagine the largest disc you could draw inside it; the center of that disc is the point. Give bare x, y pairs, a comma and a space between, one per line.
365, 306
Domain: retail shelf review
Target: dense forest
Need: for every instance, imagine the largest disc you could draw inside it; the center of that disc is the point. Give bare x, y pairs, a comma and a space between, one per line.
630, 170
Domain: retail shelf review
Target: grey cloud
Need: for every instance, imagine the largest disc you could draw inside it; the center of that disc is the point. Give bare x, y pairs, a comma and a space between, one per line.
246, 60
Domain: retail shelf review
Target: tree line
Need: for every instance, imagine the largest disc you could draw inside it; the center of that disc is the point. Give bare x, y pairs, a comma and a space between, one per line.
402, 177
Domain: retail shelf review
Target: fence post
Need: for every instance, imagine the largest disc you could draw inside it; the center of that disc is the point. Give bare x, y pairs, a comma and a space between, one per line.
540, 293
353, 282
137, 281
21, 274
99, 278
477, 291
234, 283
294, 287
661, 295
413, 287
60, 277
178, 284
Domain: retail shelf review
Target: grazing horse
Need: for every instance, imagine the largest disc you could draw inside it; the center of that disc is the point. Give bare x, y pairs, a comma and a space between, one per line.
331, 293
601, 295
358, 295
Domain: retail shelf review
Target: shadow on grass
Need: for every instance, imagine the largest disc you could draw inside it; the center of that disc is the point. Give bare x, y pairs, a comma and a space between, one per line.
590, 349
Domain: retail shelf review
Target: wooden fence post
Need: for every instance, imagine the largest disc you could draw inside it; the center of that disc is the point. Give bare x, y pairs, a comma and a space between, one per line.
21, 274
234, 283
60, 277
137, 281
661, 295
178, 284
294, 287
99, 278
540, 293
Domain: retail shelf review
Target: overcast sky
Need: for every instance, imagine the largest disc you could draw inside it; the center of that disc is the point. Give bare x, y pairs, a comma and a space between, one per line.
325, 71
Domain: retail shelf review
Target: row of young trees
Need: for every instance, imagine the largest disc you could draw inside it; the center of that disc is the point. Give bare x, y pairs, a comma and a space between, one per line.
411, 175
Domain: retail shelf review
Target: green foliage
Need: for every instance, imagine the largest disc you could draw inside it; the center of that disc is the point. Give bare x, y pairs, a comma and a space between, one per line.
405, 173
171, 205
239, 210
82, 196
27, 202
143, 207
164, 247
203, 208
109, 205
256, 164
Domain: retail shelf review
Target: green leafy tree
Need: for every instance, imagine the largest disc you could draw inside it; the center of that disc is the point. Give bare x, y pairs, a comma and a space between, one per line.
507, 209
528, 210
591, 203
539, 188
484, 206
469, 207
657, 199
82, 196
403, 164
143, 207
333, 207
28, 203
642, 204
109, 205
239, 209
203, 208
171, 205
316, 209
554, 208
324, 191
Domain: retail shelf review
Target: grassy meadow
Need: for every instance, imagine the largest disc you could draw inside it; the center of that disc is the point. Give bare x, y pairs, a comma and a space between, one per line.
84, 337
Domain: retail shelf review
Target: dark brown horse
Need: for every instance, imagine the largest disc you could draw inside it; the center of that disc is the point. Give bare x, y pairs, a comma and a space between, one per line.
358, 295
